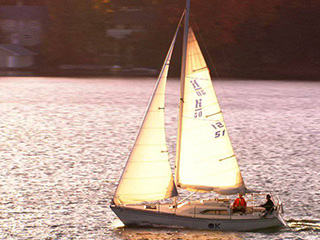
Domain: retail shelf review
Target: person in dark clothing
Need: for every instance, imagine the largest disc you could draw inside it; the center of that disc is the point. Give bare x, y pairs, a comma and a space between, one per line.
269, 206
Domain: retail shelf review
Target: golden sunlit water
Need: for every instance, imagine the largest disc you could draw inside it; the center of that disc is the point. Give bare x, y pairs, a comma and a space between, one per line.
64, 142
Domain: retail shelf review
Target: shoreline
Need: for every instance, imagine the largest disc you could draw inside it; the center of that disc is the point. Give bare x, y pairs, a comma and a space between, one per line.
254, 74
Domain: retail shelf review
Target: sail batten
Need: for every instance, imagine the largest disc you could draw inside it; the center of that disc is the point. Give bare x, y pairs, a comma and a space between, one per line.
212, 114
206, 158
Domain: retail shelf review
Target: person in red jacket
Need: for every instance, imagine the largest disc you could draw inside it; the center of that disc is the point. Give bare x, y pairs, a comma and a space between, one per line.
239, 205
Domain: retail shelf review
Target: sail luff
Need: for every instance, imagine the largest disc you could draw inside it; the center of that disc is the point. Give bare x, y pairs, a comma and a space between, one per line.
135, 184
182, 82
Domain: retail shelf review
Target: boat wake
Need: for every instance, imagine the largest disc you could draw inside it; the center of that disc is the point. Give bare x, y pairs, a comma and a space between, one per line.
304, 225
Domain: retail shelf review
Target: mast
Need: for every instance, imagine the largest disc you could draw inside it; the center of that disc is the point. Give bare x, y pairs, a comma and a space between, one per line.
182, 83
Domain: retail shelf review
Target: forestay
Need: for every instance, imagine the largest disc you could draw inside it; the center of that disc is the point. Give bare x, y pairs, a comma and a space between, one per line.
207, 161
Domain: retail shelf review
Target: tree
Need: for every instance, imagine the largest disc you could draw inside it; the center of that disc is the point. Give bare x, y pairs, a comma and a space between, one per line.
76, 32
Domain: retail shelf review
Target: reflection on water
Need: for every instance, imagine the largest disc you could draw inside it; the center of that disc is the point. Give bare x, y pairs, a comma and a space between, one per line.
304, 225
64, 142
165, 234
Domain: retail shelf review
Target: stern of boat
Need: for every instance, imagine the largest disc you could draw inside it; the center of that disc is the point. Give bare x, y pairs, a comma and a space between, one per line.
280, 211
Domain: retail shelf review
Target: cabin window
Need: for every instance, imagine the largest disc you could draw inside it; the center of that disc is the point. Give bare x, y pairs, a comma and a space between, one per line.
214, 212
150, 207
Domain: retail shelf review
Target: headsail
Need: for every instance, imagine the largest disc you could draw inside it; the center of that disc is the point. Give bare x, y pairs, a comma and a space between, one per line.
147, 175
206, 160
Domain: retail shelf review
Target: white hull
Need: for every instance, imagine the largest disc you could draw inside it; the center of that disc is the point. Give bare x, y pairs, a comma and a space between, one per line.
141, 217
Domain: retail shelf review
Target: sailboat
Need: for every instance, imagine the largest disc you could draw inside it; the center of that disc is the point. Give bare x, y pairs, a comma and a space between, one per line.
147, 193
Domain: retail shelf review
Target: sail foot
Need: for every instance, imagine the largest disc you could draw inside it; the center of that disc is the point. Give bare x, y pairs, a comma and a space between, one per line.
219, 190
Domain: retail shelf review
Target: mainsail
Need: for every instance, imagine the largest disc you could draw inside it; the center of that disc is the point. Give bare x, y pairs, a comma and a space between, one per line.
206, 160
147, 175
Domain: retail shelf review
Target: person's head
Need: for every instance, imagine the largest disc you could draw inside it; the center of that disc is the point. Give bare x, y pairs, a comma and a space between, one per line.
240, 195
268, 196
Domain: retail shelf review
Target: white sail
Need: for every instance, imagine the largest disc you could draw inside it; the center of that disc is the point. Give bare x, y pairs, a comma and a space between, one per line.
147, 175
206, 160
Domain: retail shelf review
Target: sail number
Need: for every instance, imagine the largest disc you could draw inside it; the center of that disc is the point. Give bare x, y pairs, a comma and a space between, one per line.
219, 129
198, 102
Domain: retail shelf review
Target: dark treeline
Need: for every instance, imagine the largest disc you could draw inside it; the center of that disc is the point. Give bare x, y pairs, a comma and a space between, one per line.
242, 37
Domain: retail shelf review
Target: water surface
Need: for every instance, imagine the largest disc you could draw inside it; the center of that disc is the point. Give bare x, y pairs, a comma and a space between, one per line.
64, 142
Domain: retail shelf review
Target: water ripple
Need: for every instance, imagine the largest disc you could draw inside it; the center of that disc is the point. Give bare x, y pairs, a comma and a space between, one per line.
64, 143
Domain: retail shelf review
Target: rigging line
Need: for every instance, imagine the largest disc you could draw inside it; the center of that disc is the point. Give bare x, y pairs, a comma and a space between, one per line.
205, 46
191, 194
